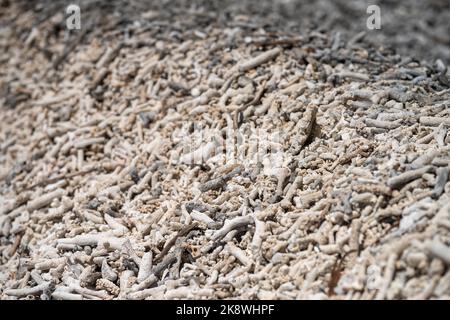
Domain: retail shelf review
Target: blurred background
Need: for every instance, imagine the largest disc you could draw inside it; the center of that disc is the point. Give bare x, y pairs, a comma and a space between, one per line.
416, 28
